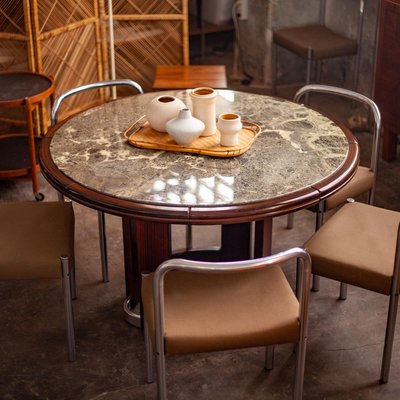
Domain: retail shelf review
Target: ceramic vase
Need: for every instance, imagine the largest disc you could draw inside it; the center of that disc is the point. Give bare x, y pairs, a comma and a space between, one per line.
161, 109
229, 126
204, 102
184, 128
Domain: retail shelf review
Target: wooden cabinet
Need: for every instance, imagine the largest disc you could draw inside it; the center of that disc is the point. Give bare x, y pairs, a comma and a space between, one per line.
387, 79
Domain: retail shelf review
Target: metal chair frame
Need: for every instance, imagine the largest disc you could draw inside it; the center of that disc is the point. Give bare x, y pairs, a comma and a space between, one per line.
309, 59
54, 121
68, 284
304, 268
377, 124
392, 313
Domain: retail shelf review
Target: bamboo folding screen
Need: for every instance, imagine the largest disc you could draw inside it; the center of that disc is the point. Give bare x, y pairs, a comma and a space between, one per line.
15, 39
59, 38
147, 33
66, 40
69, 40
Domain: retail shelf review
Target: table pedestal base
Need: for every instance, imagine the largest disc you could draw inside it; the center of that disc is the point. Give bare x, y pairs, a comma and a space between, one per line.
132, 316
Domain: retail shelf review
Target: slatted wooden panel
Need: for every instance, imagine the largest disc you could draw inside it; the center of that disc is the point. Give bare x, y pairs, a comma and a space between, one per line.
147, 33
66, 40
15, 43
15, 47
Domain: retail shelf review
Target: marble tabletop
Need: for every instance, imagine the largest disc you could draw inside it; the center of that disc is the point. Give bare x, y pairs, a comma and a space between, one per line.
296, 150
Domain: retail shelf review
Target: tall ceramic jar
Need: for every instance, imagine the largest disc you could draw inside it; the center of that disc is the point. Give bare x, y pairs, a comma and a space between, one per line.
161, 109
204, 105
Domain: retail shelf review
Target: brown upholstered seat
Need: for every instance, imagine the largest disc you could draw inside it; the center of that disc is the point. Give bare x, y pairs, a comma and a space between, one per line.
324, 42
33, 238
362, 182
315, 42
358, 246
213, 326
200, 307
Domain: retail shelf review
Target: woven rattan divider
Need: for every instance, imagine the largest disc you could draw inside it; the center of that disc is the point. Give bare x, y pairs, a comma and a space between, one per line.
66, 41
15, 38
146, 33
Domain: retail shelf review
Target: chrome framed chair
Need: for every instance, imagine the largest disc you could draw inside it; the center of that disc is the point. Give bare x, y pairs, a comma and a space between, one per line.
315, 42
360, 245
364, 179
34, 238
54, 120
192, 307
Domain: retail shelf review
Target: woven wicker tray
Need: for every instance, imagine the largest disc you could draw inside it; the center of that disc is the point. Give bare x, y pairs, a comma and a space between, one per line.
146, 137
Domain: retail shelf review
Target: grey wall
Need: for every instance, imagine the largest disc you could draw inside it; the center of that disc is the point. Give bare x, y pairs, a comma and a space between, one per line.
341, 15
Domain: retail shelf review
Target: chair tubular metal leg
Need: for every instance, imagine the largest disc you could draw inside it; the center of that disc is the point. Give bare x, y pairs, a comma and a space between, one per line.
189, 237
73, 280
343, 291
315, 283
290, 221
300, 367
269, 357
319, 69
69, 317
308, 77
389, 337
60, 196
301, 349
274, 69
319, 220
252, 239
103, 246
149, 353
161, 379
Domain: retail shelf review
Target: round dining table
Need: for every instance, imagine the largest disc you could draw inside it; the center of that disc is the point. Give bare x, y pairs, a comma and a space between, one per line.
299, 158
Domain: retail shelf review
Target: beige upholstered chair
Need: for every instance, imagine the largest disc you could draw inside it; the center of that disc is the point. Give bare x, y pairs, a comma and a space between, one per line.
364, 180
54, 119
316, 42
192, 307
357, 246
34, 238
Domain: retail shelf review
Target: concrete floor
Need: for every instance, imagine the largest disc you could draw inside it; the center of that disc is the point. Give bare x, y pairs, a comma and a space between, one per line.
343, 355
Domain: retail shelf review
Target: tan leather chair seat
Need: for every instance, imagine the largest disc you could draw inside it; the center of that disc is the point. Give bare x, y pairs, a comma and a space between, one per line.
33, 236
357, 246
218, 322
324, 42
362, 182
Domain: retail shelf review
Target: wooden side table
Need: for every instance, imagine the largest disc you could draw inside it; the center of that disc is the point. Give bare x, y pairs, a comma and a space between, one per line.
190, 76
387, 77
18, 152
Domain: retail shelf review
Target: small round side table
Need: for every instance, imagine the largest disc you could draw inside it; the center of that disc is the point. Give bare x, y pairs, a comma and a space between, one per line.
18, 152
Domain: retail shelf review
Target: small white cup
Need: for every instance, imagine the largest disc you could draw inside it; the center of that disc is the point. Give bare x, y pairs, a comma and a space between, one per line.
229, 125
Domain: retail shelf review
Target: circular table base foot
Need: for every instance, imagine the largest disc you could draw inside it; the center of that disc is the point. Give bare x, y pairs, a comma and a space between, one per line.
132, 316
